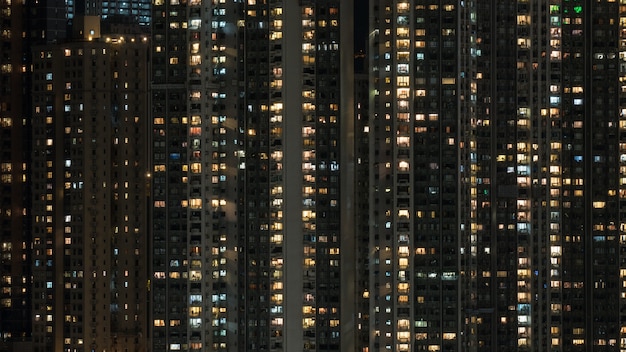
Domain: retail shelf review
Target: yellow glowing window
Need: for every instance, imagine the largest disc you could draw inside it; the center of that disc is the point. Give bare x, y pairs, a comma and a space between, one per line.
195, 311
403, 250
402, 43
404, 32
403, 262
402, 81
194, 60
404, 336
403, 55
403, 7
195, 203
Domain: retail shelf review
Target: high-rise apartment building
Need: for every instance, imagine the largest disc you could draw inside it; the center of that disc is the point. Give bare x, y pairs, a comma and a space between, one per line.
44, 22
414, 214
90, 193
250, 129
497, 176
14, 154
23, 25
137, 11
361, 269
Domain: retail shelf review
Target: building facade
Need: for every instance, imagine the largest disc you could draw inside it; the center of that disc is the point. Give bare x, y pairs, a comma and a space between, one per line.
24, 25
90, 194
496, 212
137, 11
414, 285
463, 195
247, 128
14, 155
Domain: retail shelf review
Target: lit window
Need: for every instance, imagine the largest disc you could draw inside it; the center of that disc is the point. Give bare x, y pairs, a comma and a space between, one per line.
402, 81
